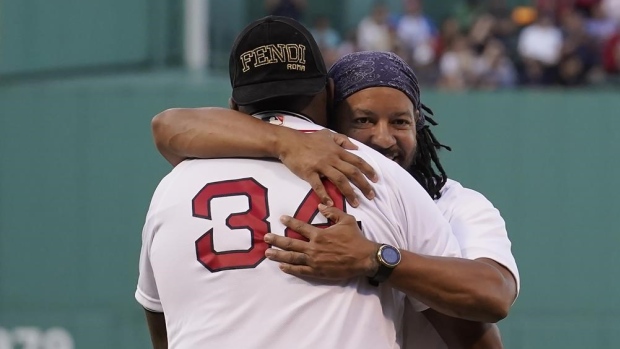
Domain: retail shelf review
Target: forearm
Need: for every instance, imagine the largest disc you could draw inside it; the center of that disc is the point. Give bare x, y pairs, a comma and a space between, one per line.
457, 287
213, 133
459, 333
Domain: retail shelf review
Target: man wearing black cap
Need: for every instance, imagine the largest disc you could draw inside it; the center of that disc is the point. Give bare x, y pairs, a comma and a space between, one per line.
270, 59
202, 264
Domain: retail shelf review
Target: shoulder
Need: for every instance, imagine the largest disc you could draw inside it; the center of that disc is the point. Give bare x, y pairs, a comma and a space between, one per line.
165, 183
455, 194
477, 225
466, 207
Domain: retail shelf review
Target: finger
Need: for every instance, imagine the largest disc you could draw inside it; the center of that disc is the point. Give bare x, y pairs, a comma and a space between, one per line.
344, 142
298, 270
357, 178
342, 183
319, 189
303, 228
334, 214
361, 164
286, 243
288, 257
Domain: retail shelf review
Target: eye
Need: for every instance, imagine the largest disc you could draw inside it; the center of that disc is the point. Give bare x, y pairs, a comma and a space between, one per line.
362, 120
402, 122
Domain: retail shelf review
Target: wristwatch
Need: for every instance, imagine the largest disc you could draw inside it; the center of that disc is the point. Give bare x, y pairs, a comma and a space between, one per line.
388, 258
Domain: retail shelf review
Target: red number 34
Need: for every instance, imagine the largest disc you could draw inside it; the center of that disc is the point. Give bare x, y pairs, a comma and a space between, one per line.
254, 220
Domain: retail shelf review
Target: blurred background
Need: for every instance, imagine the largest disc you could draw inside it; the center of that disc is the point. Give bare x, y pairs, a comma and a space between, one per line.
525, 92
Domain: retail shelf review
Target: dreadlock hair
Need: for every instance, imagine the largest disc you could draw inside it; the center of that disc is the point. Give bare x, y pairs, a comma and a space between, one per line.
425, 157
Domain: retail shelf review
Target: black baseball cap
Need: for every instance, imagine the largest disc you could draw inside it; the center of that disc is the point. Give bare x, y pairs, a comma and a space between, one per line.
275, 57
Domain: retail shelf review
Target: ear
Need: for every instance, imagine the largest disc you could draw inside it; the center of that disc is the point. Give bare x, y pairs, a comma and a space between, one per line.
232, 105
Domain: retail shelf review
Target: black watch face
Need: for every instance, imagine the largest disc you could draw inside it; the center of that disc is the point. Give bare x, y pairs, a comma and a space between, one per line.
390, 255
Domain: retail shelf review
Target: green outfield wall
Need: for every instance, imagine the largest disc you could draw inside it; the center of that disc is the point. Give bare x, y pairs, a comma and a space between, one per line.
78, 167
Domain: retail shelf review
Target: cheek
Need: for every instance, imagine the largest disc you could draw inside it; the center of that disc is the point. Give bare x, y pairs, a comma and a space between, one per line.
407, 143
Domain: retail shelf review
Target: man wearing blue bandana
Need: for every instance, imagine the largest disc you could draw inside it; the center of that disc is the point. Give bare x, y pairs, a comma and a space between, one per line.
377, 101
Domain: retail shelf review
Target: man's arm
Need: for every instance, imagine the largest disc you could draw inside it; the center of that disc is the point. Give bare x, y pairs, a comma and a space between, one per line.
182, 133
464, 334
216, 132
157, 329
472, 290
476, 290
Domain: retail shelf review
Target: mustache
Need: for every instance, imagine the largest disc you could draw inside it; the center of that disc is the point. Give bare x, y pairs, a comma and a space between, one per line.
391, 152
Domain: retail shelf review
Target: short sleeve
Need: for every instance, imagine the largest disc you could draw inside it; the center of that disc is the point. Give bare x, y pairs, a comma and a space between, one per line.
146, 291
478, 227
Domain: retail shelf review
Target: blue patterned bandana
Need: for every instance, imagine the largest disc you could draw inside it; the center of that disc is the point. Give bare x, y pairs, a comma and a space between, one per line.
360, 70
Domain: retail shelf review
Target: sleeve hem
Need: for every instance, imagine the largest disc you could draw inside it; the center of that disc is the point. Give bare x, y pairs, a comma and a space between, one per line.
417, 306
148, 303
508, 263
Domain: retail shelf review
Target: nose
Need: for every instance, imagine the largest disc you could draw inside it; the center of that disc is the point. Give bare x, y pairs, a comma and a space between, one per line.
382, 136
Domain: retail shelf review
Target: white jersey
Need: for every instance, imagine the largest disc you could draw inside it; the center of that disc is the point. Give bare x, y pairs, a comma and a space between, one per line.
202, 260
481, 233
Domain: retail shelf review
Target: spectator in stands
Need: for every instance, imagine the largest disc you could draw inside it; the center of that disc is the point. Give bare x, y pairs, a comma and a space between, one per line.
571, 71
579, 52
448, 33
539, 47
600, 26
481, 32
288, 8
495, 69
417, 33
457, 66
483, 46
373, 32
554, 8
585, 7
348, 45
327, 39
504, 28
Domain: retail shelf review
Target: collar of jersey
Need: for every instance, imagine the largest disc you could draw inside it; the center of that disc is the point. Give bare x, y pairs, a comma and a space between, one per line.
268, 114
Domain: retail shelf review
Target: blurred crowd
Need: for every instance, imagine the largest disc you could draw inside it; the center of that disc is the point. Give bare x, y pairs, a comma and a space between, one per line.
485, 43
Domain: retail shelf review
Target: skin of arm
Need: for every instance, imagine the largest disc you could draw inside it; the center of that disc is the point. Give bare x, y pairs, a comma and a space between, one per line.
475, 290
157, 328
182, 133
464, 334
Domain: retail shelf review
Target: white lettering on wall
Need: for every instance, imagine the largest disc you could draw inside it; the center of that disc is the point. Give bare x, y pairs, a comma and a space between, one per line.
28, 337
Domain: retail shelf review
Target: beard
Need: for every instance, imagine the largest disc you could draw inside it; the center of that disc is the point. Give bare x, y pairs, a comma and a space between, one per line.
404, 160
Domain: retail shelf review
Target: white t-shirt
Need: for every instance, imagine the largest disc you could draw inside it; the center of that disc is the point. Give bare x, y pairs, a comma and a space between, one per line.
541, 43
481, 233
202, 259
414, 31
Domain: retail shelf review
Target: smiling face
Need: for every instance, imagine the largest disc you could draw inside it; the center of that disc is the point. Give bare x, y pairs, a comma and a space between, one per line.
382, 118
